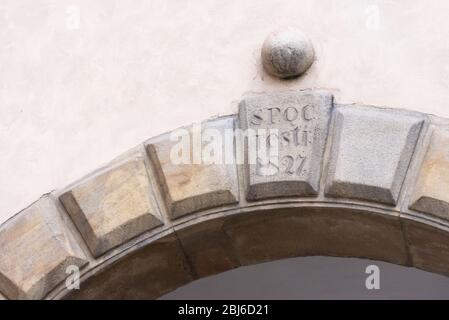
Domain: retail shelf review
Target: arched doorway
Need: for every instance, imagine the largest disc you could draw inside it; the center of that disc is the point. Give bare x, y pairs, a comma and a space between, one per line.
346, 181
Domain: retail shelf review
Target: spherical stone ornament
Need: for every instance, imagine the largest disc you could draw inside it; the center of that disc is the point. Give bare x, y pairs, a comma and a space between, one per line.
287, 53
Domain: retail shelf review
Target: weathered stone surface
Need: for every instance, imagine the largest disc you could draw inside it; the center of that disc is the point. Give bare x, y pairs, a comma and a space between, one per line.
287, 53
146, 273
192, 182
290, 232
371, 151
297, 122
431, 194
428, 245
36, 249
2, 297
207, 248
113, 207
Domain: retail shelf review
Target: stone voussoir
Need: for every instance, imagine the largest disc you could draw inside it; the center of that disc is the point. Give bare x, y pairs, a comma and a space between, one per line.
428, 244
371, 151
292, 127
188, 183
36, 249
113, 207
146, 273
431, 190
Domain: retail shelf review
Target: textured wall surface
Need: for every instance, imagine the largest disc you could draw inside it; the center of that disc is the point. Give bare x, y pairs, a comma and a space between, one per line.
81, 81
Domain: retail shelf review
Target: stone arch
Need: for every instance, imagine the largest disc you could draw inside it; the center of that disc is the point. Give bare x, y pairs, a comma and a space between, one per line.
347, 180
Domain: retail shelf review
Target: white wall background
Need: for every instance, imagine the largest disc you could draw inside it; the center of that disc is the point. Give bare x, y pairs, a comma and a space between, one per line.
81, 81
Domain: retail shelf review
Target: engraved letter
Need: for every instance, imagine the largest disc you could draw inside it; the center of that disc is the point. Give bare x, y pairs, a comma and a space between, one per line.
273, 115
307, 112
290, 114
286, 138
257, 117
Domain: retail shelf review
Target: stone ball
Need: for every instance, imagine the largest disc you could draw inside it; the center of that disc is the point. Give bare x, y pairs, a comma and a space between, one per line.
287, 53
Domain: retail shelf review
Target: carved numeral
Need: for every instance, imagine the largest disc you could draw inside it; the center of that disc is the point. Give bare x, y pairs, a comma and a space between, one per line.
288, 165
293, 166
268, 169
302, 162
289, 161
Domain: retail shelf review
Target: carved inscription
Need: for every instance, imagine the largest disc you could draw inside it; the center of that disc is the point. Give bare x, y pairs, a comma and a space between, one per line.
288, 140
285, 136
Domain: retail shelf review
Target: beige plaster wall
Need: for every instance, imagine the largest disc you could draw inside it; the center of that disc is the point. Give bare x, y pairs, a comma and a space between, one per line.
83, 80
